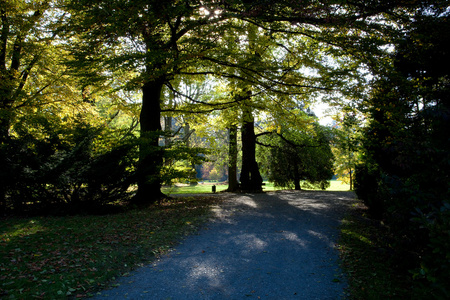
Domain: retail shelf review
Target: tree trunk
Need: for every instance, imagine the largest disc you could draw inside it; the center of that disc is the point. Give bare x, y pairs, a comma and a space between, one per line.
297, 185
6, 115
150, 154
4, 137
251, 179
351, 179
167, 131
3, 185
233, 184
187, 134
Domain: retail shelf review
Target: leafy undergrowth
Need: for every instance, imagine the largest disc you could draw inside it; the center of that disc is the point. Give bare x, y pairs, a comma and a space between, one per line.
374, 269
60, 257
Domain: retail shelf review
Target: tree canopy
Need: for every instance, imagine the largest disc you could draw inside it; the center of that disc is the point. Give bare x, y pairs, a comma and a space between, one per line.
85, 85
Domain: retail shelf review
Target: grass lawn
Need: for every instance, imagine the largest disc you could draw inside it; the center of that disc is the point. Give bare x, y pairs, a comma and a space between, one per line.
61, 257
205, 188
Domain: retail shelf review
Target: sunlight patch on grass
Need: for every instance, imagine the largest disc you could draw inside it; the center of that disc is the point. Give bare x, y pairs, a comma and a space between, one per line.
357, 236
206, 188
25, 229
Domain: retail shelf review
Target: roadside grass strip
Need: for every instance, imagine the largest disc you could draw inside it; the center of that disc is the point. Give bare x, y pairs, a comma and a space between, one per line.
371, 264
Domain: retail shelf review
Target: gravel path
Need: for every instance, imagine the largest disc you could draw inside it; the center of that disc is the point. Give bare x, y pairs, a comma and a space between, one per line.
277, 245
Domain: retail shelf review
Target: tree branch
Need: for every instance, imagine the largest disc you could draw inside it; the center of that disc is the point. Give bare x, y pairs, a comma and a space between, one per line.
291, 143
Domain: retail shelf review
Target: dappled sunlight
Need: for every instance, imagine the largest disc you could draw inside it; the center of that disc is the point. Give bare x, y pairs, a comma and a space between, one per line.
314, 200
248, 201
206, 270
311, 205
322, 237
23, 229
293, 237
256, 245
357, 236
250, 242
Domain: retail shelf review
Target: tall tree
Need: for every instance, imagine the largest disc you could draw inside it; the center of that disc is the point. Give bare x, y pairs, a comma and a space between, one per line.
160, 39
233, 184
25, 41
31, 78
163, 39
404, 176
250, 178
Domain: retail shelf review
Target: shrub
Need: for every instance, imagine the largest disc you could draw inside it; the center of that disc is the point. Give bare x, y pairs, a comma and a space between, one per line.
47, 174
435, 263
366, 188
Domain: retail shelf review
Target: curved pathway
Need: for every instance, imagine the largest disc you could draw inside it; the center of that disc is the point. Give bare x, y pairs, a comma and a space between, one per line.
277, 245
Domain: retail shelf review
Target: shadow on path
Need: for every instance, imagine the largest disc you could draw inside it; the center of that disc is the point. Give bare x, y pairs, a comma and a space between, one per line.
277, 245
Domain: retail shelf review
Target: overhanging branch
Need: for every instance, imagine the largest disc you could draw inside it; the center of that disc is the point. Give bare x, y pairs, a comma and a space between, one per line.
289, 142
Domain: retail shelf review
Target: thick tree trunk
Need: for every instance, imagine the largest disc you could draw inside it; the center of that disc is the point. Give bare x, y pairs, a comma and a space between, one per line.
150, 154
251, 179
2, 186
5, 125
233, 184
297, 185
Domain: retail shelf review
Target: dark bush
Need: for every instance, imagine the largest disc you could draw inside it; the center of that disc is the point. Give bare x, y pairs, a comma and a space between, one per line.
42, 175
406, 152
366, 188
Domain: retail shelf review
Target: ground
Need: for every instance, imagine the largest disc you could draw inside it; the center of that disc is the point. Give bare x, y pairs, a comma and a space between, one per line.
276, 245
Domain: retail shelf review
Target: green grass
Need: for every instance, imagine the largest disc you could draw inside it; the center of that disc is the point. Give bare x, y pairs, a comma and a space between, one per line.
335, 185
372, 266
59, 257
197, 189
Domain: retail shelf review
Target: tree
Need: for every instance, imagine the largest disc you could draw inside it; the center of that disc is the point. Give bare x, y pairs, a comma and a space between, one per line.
233, 184
161, 39
346, 147
294, 155
250, 178
405, 146
32, 81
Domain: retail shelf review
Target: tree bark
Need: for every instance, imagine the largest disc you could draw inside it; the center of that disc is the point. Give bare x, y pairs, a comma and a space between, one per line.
233, 184
5, 124
167, 131
187, 134
297, 185
150, 153
351, 179
251, 179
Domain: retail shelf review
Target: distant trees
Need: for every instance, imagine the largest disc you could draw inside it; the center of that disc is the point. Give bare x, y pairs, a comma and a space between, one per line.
292, 156
346, 146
